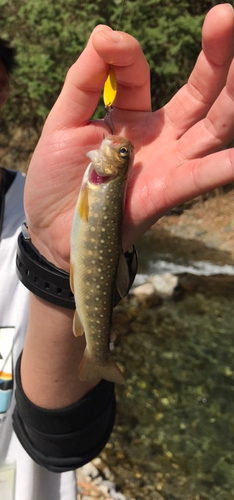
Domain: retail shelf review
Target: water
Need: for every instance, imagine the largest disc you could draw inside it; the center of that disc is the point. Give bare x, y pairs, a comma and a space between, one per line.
174, 433
199, 268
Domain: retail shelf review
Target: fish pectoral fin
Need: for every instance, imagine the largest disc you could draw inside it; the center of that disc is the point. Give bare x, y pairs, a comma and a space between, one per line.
83, 204
122, 278
108, 370
71, 278
77, 325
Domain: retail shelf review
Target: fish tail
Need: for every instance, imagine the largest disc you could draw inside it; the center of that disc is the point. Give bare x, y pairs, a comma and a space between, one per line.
89, 370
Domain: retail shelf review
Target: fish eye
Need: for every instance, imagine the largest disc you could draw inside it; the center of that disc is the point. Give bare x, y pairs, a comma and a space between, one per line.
123, 151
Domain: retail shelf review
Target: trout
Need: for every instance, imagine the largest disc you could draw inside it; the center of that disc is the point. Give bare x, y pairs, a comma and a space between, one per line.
98, 264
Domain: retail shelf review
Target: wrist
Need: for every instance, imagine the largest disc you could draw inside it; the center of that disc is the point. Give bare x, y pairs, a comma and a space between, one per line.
44, 248
40, 276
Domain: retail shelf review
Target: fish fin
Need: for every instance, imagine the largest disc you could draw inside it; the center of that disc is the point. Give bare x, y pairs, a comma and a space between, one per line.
113, 336
89, 370
71, 278
112, 340
77, 326
83, 205
122, 278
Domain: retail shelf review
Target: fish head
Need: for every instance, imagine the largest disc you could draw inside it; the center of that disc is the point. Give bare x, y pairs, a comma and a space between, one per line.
114, 157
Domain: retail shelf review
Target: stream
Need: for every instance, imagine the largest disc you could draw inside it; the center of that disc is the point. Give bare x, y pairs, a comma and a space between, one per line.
174, 433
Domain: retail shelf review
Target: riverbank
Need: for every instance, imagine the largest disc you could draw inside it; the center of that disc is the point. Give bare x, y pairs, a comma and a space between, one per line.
173, 425
210, 222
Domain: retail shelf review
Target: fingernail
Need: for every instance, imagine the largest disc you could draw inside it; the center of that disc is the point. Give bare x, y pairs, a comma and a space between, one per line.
229, 5
113, 36
116, 36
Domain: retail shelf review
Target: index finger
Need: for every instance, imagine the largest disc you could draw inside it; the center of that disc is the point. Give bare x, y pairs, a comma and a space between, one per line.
130, 66
85, 79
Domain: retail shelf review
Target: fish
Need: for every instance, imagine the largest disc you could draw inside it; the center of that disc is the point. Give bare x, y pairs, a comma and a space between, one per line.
97, 262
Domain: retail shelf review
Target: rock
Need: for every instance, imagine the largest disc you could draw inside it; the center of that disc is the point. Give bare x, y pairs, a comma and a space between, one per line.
164, 284
145, 289
217, 284
145, 295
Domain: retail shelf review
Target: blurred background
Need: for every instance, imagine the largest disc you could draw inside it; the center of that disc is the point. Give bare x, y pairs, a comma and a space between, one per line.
49, 36
174, 432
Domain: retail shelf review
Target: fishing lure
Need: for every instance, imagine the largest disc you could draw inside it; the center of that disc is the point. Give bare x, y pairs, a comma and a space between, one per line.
109, 95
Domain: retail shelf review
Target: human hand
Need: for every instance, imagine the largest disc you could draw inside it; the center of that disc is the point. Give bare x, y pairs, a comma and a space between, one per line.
176, 147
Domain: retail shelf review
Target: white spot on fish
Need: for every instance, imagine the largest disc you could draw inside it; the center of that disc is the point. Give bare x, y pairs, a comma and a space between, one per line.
103, 229
92, 228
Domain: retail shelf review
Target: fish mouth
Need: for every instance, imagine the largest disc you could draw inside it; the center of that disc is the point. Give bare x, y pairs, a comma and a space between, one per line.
96, 154
98, 179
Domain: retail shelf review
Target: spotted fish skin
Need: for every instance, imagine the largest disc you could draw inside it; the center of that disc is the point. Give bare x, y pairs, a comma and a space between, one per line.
97, 260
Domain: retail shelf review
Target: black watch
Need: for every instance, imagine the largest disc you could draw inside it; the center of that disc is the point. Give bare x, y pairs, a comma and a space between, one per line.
48, 281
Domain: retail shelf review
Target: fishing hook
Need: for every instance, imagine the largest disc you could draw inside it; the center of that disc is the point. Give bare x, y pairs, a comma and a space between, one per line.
109, 110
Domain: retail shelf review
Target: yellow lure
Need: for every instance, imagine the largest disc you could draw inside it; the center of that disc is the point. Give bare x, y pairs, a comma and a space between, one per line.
110, 89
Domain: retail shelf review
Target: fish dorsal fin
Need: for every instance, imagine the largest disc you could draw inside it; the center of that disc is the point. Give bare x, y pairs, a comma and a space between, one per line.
83, 205
122, 277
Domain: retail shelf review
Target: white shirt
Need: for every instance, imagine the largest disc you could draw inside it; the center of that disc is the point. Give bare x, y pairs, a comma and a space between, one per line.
33, 482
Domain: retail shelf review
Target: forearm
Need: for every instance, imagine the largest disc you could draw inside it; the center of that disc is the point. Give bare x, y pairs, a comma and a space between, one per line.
51, 357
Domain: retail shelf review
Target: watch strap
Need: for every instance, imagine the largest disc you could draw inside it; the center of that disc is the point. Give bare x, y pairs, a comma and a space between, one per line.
49, 282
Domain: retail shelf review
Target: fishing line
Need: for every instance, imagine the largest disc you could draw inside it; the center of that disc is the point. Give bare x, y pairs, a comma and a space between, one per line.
110, 86
121, 13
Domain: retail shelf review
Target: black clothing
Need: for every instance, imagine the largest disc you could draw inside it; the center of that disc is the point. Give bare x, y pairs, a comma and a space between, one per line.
65, 439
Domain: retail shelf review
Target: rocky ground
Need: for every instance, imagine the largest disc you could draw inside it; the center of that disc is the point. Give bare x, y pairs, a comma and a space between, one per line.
210, 221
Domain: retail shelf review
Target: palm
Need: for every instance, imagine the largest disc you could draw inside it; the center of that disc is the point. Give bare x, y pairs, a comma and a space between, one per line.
175, 147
